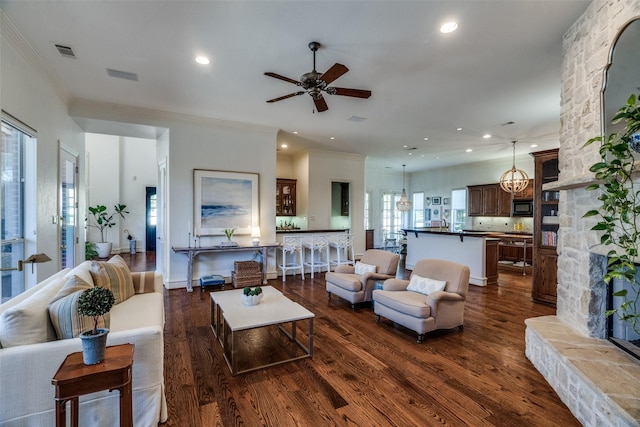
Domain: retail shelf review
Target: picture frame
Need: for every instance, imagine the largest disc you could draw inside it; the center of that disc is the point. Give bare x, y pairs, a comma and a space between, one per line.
427, 214
224, 200
437, 200
445, 201
435, 214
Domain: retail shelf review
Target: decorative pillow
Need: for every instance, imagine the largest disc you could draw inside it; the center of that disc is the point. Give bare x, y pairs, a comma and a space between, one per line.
63, 311
424, 285
144, 282
115, 275
362, 268
27, 321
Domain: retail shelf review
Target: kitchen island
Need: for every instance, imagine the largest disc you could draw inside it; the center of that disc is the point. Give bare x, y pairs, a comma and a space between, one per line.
478, 250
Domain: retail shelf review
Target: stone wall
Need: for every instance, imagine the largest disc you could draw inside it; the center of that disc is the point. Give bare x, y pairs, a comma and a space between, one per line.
586, 52
596, 380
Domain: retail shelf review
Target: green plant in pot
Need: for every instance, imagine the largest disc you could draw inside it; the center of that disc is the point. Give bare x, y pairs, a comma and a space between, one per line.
251, 296
102, 219
95, 303
619, 210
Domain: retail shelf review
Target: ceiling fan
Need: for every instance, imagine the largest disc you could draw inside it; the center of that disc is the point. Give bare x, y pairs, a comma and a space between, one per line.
314, 83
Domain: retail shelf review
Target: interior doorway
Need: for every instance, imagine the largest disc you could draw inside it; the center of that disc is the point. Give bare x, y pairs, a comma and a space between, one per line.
151, 218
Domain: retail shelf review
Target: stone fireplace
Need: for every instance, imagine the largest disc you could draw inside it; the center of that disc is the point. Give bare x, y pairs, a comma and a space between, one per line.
594, 378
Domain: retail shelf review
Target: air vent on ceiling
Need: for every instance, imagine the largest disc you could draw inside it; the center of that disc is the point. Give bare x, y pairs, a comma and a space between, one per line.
508, 123
409, 148
122, 74
356, 119
65, 51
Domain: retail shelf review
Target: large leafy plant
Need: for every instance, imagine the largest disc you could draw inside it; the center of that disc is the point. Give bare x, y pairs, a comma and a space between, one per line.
619, 210
102, 219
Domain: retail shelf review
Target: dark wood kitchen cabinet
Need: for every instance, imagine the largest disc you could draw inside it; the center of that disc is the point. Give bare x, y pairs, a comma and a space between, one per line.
488, 200
545, 228
285, 197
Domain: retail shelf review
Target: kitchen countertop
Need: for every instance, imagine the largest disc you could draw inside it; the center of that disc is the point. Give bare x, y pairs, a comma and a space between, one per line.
473, 233
312, 231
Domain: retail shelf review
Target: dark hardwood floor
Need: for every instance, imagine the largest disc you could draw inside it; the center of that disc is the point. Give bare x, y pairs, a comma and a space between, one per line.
365, 373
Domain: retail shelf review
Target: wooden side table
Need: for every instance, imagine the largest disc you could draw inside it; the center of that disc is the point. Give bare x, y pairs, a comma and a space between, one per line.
74, 379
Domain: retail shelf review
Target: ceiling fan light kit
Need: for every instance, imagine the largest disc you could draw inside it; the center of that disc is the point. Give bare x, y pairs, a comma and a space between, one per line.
514, 180
314, 83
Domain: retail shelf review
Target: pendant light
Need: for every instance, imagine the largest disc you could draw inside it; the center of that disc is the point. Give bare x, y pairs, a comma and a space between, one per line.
403, 204
514, 180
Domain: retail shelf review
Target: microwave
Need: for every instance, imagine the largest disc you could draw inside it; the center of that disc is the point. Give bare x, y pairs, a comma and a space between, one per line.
522, 208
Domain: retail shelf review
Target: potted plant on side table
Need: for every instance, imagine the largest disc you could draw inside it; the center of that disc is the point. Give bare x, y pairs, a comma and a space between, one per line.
95, 302
102, 220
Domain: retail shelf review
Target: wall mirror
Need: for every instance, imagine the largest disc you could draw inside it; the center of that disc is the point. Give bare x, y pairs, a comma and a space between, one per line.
622, 76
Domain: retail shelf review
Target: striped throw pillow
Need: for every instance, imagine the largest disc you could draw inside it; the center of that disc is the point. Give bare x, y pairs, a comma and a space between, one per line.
115, 275
63, 311
143, 282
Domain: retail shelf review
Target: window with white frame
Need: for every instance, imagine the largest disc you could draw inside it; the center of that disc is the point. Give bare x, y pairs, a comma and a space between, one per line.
366, 210
391, 217
458, 209
418, 209
12, 169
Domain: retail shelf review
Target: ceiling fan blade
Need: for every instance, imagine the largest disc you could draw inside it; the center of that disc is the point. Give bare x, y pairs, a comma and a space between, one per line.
286, 96
321, 104
356, 93
286, 79
333, 73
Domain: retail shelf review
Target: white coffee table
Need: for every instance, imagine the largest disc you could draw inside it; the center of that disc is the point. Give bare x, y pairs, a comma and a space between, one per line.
229, 316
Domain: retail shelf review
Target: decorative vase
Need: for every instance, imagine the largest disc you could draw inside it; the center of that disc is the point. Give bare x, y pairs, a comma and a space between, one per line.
251, 299
93, 346
634, 142
104, 249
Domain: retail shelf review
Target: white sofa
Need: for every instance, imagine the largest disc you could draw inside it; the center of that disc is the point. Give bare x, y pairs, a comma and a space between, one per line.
29, 361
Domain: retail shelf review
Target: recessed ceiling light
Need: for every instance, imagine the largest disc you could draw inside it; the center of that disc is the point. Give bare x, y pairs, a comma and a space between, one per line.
283, 145
203, 60
533, 145
486, 136
459, 129
411, 154
449, 27
468, 150
405, 146
426, 138
333, 137
295, 132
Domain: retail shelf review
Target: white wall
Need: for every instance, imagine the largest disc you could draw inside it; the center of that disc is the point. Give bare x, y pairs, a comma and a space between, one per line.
29, 97
130, 166
324, 168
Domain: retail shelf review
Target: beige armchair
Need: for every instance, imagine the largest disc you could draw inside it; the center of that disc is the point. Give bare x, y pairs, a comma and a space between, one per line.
440, 309
357, 288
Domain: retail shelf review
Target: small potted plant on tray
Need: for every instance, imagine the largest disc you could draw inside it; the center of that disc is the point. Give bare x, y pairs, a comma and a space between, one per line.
95, 302
252, 296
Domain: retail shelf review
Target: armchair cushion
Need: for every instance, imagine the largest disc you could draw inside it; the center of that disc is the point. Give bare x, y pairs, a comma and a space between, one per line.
425, 285
348, 281
410, 303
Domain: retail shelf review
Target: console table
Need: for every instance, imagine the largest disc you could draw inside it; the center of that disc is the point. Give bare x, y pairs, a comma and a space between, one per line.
192, 253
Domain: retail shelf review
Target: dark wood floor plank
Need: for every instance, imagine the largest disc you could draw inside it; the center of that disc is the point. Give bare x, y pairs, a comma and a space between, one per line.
363, 373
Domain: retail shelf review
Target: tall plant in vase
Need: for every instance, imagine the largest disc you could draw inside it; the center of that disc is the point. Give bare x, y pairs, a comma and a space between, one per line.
102, 219
619, 210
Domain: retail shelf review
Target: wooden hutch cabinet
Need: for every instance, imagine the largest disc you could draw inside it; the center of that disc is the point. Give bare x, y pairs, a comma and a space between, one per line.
545, 228
285, 197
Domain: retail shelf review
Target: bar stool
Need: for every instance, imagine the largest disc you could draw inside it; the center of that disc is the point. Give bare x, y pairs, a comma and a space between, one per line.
292, 251
343, 244
316, 247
